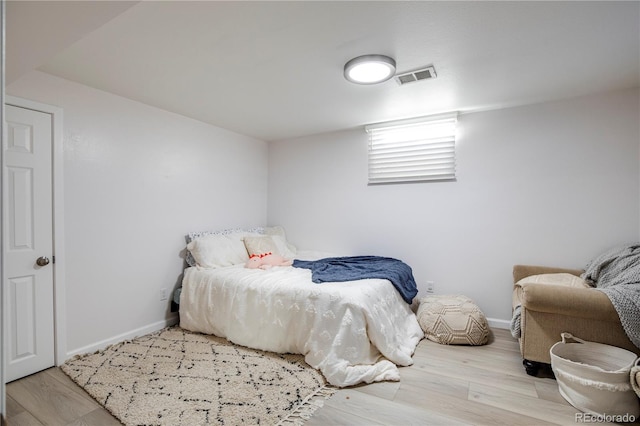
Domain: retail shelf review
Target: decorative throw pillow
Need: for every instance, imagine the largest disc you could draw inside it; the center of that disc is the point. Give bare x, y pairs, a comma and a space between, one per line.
216, 251
452, 320
275, 244
564, 279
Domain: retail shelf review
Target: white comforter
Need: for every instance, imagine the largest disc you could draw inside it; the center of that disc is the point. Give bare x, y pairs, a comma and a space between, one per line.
353, 332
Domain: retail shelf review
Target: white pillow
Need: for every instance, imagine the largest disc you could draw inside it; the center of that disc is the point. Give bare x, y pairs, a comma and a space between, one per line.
216, 251
267, 244
279, 231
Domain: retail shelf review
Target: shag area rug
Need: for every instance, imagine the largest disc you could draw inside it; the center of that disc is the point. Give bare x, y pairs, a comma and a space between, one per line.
176, 377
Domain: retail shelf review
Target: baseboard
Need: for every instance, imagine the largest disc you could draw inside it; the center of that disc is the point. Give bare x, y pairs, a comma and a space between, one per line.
499, 323
122, 337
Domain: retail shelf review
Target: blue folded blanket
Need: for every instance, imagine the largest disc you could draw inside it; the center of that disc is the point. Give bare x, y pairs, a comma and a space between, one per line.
335, 269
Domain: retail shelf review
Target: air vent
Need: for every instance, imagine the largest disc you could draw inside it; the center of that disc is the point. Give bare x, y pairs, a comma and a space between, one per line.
417, 75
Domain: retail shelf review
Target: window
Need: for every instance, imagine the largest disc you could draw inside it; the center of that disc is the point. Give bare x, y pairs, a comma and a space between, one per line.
419, 149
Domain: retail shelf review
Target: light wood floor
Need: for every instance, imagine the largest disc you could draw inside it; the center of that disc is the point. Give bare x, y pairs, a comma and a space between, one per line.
484, 385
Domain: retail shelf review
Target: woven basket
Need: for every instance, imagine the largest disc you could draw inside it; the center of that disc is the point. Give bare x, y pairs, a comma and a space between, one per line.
594, 377
635, 377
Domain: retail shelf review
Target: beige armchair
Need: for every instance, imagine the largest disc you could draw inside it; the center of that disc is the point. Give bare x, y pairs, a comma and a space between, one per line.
547, 311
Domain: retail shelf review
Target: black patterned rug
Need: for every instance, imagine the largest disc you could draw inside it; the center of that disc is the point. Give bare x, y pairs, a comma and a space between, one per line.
175, 377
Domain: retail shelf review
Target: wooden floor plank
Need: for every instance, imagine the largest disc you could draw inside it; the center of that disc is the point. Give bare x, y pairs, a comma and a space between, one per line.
385, 390
476, 372
97, 417
24, 419
387, 412
337, 417
464, 410
562, 414
424, 381
12, 407
49, 401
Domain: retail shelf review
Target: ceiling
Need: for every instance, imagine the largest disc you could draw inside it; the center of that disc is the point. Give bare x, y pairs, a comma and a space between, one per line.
273, 70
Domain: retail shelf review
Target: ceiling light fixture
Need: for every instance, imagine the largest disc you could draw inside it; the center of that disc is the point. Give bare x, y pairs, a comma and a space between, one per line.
369, 69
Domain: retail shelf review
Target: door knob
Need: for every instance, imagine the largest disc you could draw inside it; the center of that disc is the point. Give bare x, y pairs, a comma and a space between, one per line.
42, 261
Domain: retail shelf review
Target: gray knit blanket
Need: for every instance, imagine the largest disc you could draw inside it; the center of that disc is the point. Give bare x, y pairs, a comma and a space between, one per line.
616, 273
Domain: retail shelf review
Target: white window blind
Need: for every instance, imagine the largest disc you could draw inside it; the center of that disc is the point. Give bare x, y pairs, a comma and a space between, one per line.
419, 149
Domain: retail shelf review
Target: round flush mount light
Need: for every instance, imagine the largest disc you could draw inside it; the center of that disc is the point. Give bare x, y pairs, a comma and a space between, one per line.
369, 69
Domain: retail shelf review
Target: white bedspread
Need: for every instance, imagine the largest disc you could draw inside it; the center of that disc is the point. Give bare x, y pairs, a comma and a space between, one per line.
353, 332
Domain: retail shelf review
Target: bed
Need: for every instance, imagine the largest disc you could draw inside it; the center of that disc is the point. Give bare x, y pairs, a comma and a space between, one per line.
352, 331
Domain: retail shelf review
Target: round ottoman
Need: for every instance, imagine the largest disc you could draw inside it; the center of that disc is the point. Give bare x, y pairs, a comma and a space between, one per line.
452, 320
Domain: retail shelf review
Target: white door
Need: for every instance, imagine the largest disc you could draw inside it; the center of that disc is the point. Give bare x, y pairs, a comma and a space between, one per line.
29, 338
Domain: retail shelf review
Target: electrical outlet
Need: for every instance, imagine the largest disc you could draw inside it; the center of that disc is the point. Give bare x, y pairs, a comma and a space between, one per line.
164, 295
431, 287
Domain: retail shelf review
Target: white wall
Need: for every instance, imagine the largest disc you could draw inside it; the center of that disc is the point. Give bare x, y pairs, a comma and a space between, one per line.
550, 184
136, 180
547, 184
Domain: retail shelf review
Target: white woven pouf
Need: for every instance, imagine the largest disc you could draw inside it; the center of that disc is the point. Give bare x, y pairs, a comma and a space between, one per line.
452, 320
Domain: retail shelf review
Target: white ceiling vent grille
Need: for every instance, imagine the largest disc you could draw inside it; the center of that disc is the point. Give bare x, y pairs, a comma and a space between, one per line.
417, 75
